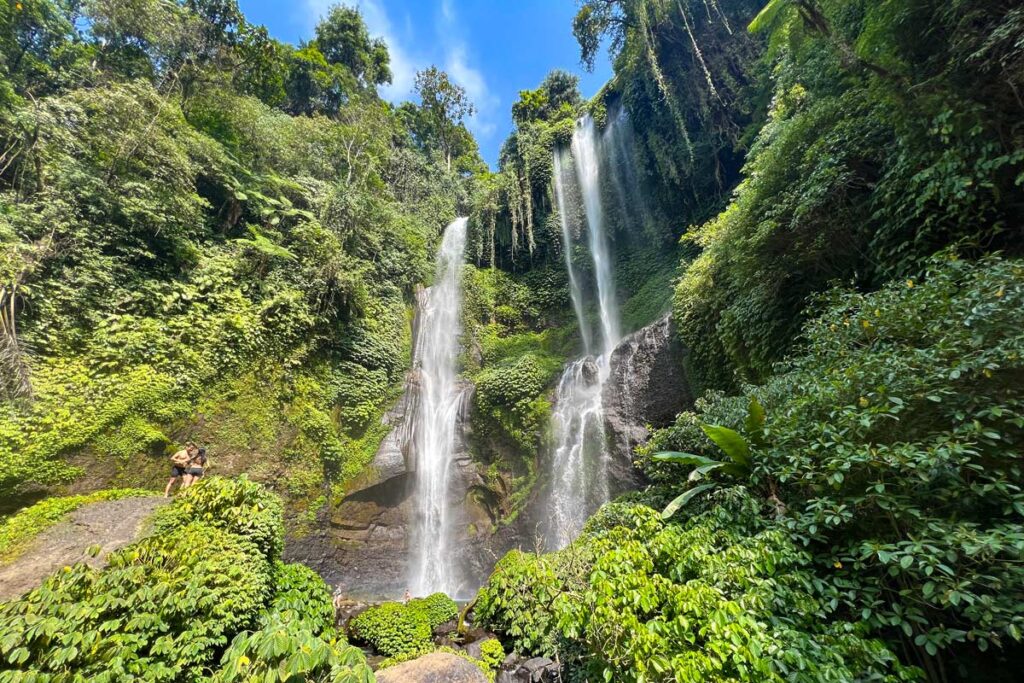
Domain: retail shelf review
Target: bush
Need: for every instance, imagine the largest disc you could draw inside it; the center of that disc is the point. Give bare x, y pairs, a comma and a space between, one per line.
894, 442
492, 654
392, 629
161, 611
301, 595
287, 650
238, 506
637, 599
436, 609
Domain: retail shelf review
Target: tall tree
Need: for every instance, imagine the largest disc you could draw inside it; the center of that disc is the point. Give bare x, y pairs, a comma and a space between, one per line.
343, 39
444, 106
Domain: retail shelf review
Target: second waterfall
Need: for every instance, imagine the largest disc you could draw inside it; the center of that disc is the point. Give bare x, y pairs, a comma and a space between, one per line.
579, 461
437, 420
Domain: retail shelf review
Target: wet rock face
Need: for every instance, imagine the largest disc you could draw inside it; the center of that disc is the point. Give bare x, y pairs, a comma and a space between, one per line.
646, 386
359, 547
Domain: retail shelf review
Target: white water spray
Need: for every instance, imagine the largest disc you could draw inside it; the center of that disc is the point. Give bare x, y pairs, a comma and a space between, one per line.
437, 420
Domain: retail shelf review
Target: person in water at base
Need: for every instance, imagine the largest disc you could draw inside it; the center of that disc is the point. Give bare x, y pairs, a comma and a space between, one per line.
179, 466
195, 469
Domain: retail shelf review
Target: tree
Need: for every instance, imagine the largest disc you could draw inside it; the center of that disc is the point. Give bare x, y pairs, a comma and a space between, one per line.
558, 94
444, 105
343, 39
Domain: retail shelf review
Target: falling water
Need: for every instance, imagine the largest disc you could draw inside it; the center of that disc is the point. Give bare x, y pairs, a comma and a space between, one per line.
574, 282
579, 464
437, 418
587, 156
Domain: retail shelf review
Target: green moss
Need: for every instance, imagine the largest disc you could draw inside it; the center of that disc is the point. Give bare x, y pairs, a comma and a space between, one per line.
17, 531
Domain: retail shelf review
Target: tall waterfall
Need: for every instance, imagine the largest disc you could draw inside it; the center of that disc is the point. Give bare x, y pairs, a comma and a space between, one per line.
586, 151
575, 292
437, 420
579, 464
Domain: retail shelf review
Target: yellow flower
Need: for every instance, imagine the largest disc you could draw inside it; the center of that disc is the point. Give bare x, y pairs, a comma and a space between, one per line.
837, 564
243, 662
866, 324
986, 372
910, 284
863, 402
1000, 293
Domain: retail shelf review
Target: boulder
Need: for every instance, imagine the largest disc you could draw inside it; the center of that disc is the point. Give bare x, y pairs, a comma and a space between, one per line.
647, 385
437, 667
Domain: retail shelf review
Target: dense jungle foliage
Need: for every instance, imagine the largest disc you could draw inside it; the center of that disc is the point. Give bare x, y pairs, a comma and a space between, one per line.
207, 233
859, 284
205, 598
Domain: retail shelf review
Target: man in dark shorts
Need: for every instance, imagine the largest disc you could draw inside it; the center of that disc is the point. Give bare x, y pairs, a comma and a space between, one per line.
179, 466
196, 465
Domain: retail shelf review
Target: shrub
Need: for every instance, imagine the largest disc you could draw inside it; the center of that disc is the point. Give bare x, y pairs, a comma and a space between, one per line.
287, 650
391, 628
894, 442
492, 654
239, 506
436, 609
302, 595
637, 599
161, 610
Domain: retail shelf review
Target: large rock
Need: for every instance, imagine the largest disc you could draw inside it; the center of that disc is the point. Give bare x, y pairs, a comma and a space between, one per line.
647, 385
109, 525
437, 667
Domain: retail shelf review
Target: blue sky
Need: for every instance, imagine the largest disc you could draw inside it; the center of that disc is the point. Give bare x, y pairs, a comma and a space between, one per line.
493, 48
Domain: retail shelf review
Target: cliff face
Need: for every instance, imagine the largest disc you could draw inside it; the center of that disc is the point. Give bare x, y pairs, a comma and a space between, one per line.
362, 545
646, 386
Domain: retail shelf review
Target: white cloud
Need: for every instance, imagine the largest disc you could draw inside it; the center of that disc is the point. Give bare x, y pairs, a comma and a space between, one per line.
470, 78
459, 66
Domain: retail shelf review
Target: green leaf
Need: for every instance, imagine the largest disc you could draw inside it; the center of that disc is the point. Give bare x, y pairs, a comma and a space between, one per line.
755, 417
685, 498
767, 16
731, 442
683, 458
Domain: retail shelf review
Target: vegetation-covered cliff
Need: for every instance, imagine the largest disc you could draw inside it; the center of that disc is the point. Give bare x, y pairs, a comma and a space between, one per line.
208, 234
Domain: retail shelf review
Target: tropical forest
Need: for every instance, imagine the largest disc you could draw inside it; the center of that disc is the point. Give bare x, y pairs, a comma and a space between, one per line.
710, 368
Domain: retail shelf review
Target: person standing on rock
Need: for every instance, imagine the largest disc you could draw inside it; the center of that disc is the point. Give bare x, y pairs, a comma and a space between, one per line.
196, 467
179, 466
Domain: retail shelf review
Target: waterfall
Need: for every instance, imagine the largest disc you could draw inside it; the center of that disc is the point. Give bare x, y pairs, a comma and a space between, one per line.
586, 151
574, 282
437, 420
580, 461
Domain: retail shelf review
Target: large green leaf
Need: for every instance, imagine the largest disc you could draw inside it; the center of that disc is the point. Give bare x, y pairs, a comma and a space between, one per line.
682, 500
766, 18
698, 473
755, 417
731, 442
683, 458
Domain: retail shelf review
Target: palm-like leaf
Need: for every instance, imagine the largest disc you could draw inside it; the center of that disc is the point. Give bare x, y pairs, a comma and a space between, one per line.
682, 458
685, 498
768, 16
731, 443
